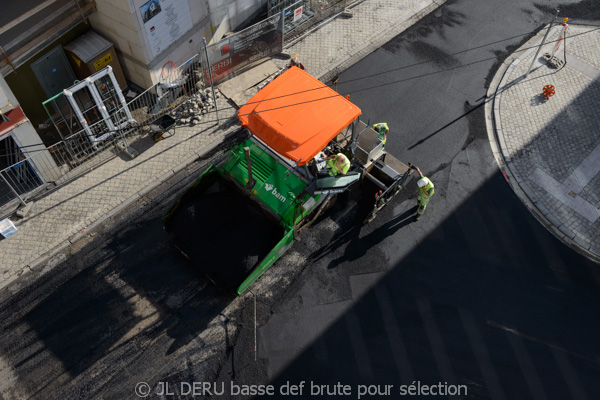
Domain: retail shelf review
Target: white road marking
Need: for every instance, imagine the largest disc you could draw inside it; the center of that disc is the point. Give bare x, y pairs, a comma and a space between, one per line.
359, 345
561, 193
482, 356
436, 341
589, 70
573, 383
392, 329
527, 367
585, 172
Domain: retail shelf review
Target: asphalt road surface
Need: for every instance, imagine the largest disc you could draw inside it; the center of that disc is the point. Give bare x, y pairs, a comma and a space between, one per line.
477, 293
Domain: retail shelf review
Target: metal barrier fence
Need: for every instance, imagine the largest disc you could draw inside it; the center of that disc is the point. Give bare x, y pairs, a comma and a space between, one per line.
181, 93
177, 85
301, 16
15, 181
57, 164
288, 20
231, 55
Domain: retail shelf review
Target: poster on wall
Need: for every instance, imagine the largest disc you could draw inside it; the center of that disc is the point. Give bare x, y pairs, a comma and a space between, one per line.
165, 21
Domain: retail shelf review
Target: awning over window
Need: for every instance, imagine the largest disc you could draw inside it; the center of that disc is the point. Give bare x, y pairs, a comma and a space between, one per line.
16, 117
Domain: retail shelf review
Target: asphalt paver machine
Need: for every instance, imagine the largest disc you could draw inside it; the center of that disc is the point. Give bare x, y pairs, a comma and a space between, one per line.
242, 214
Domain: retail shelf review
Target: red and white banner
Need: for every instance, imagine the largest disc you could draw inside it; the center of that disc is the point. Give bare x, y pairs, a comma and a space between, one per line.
563, 33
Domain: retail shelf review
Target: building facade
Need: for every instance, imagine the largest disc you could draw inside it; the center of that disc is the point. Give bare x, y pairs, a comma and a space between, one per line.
151, 33
145, 35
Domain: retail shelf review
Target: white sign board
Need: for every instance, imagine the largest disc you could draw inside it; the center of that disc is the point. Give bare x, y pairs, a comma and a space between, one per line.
298, 13
165, 21
7, 228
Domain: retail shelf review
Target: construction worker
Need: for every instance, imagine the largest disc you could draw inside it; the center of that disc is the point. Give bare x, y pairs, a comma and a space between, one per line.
382, 129
295, 63
337, 164
426, 190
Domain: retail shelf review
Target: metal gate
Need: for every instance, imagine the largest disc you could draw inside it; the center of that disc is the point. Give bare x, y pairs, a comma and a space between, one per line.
302, 15
17, 175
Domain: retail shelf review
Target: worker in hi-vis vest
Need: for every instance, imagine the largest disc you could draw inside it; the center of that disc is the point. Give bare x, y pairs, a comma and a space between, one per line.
426, 190
295, 63
383, 129
337, 164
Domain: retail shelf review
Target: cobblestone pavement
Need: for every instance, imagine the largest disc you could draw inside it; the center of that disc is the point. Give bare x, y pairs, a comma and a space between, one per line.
70, 212
336, 46
551, 147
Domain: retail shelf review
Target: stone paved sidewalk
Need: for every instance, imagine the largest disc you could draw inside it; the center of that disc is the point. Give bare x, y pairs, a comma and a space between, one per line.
338, 45
74, 210
551, 147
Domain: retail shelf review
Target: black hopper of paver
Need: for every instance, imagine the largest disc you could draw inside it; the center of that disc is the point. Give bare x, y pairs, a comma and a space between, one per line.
223, 233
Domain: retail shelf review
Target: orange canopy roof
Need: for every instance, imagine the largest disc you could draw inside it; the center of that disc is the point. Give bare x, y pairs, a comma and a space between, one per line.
297, 115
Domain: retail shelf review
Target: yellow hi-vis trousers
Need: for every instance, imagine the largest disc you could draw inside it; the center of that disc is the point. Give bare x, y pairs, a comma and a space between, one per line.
423, 198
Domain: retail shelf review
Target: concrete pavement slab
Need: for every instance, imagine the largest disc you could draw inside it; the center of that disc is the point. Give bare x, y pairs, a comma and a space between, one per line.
236, 88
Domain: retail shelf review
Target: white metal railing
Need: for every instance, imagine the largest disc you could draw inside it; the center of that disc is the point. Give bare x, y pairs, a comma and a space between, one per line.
97, 143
